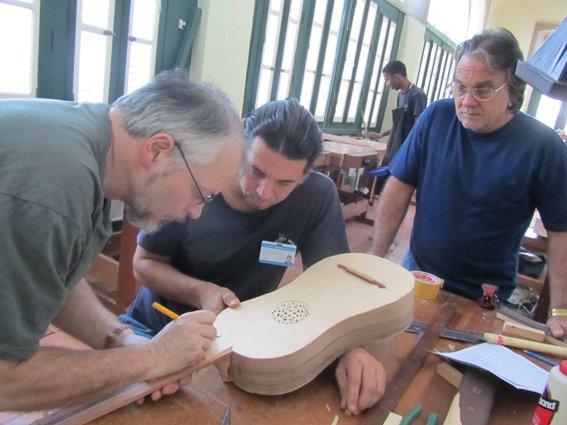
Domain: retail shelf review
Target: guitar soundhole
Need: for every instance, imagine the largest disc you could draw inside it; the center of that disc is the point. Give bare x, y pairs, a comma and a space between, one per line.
290, 312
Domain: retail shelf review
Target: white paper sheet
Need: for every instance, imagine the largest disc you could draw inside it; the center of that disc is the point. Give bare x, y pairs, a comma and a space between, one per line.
504, 363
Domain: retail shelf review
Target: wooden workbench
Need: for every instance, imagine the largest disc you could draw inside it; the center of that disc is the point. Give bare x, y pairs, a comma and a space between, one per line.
206, 399
346, 160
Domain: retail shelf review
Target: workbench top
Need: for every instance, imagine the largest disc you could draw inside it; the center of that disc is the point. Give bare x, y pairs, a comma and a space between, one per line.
207, 398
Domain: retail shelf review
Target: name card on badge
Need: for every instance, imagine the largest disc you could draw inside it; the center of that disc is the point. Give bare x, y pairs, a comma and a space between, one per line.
279, 254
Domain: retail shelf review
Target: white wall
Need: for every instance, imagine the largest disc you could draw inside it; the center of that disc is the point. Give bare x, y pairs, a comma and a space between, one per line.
411, 45
220, 52
521, 17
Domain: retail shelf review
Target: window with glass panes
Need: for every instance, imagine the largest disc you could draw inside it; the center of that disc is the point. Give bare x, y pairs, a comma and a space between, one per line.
19, 38
88, 50
142, 39
437, 65
94, 42
552, 112
328, 54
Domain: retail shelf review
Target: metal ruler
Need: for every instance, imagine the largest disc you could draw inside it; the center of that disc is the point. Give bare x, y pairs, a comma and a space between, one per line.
398, 385
454, 334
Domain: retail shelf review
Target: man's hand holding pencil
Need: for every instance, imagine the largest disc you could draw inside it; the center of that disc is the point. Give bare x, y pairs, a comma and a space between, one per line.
179, 345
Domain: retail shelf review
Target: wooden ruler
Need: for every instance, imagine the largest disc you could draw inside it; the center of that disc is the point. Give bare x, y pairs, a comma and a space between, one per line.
472, 405
476, 396
84, 413
398, 385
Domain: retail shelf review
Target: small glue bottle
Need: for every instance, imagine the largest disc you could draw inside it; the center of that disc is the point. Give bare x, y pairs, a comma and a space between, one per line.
552, 405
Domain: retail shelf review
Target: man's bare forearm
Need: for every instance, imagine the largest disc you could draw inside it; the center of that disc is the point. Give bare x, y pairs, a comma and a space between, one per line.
391, 210
55, 377
557, 277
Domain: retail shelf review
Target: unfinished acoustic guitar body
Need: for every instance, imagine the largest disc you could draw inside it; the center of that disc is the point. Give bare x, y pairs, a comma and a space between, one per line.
279, 342
284, 339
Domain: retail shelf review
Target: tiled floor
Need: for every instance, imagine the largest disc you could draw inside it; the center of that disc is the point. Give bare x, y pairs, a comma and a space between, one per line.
359, 234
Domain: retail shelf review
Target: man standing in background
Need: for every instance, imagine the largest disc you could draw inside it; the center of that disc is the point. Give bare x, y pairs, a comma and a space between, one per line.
411, 103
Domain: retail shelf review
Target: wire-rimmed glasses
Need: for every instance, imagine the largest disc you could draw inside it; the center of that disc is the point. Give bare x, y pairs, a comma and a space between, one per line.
205, 200
482, 94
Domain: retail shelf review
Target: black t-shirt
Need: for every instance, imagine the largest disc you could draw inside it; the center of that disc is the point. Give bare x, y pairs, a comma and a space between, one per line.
223, 245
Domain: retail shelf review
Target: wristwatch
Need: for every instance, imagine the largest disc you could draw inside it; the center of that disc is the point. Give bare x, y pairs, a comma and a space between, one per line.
555, 312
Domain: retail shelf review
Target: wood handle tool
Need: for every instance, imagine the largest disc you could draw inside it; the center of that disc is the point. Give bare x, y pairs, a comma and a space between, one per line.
525, 344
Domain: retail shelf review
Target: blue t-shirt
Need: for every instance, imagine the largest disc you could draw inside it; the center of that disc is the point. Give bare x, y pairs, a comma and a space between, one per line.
223, 245
476, 195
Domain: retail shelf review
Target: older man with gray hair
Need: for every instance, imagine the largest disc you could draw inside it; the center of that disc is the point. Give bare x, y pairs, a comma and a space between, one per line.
162, 150
480, 168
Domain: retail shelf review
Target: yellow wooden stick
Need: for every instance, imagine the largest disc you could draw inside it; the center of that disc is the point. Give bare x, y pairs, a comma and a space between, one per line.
165, 310
525, 344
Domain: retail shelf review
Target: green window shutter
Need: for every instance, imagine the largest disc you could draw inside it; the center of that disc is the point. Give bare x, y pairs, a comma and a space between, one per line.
56, 49
174, 43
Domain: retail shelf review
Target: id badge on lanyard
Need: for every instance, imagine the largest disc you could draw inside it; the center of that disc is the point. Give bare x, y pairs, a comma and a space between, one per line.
280, 253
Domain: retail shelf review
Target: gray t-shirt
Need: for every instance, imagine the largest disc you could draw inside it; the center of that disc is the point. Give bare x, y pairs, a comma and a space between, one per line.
53, 214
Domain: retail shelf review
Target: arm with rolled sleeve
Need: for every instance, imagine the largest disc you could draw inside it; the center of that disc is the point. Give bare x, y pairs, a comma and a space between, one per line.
557, 274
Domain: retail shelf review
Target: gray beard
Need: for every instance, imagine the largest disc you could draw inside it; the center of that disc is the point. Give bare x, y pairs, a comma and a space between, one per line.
138, 216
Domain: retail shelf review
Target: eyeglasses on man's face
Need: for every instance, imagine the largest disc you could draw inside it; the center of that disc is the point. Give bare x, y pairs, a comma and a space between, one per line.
204, 200
482, 94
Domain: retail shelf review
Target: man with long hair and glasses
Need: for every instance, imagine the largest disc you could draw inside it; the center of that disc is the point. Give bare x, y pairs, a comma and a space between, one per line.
216, 262
480, 168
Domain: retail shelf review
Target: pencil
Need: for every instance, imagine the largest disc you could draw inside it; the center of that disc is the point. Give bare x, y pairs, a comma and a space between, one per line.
361, 275
543, 359
165, 310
